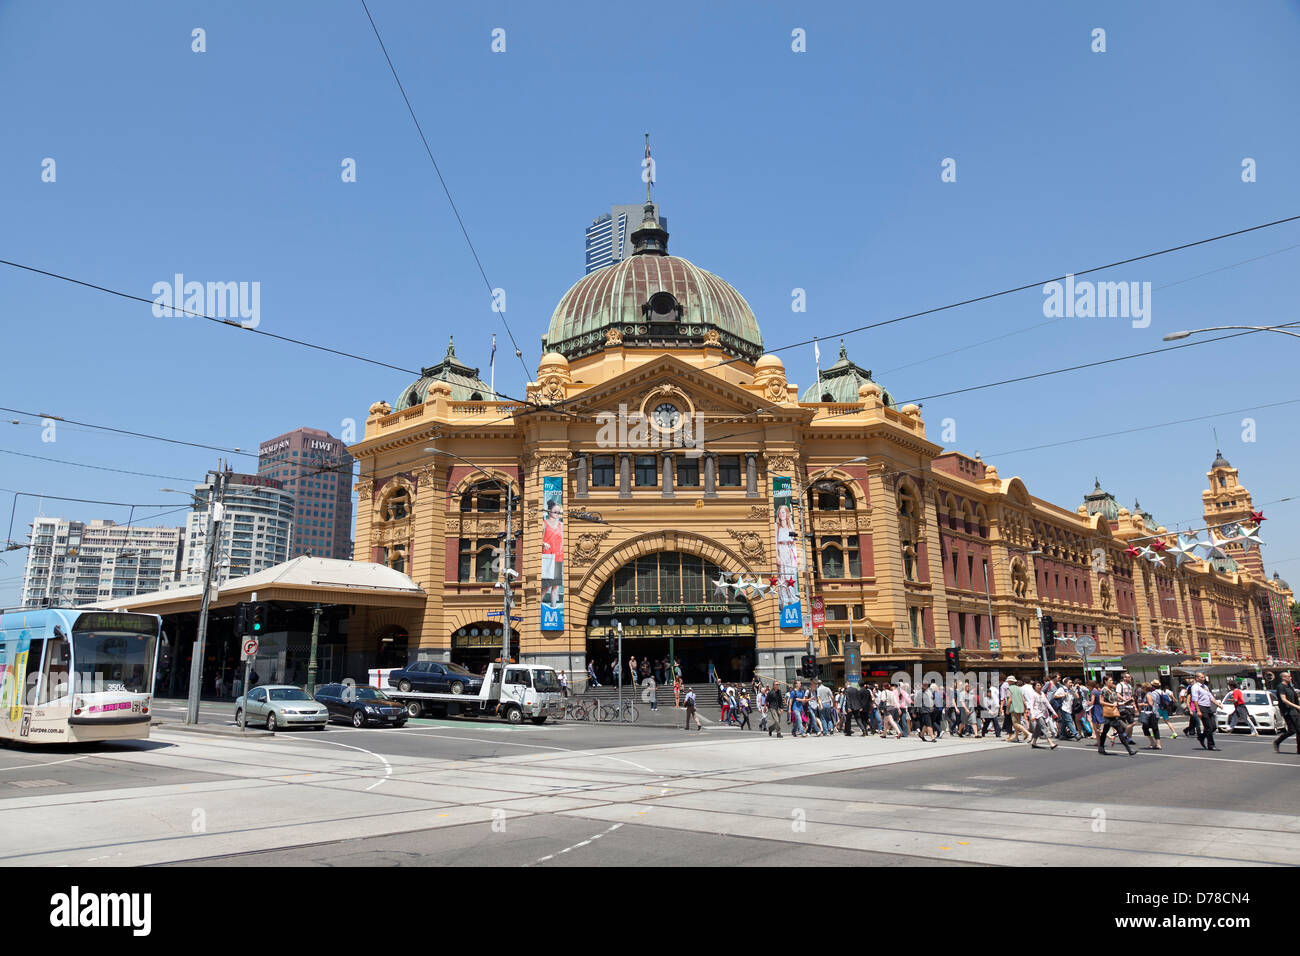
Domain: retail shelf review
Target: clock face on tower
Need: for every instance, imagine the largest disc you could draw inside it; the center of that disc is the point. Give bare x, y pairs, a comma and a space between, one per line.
666, 416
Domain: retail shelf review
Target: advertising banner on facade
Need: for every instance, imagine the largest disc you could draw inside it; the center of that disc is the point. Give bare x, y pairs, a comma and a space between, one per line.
819, 611
553, 553
787, 553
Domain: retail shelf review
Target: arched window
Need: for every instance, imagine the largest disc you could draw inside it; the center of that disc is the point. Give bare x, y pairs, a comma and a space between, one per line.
834, 496
832, 562
484, 496
396, 504
485, 564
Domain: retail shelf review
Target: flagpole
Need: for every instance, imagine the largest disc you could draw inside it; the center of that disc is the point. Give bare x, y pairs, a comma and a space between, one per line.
817, 359
492, 366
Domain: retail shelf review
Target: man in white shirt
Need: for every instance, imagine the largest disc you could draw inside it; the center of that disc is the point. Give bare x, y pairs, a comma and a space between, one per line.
1206, 707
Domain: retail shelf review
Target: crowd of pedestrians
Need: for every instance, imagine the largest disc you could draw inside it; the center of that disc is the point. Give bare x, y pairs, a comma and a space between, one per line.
1042, 713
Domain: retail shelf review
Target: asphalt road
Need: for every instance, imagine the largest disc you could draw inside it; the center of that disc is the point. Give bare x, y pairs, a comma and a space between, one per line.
454, 792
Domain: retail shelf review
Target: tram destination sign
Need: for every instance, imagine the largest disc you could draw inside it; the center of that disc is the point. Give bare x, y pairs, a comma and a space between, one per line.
109, 621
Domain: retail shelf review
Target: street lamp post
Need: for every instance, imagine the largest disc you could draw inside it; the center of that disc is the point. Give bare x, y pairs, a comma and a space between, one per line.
210, 546
804, 488
508, 572
311, 661
1042, 649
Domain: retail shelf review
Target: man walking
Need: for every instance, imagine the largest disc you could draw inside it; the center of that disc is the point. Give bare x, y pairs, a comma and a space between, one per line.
690, 710
774, 709
1289, 699
1239, 711
1016, 708
1205, 705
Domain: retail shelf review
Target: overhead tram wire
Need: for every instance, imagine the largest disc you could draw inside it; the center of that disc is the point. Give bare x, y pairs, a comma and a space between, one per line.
211, 318
133, 434
82, 464
428, 149
1026, 286
1039, 325
1020, 378
1141, 428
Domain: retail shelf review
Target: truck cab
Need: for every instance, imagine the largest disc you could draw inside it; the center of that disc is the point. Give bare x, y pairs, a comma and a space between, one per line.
528, 690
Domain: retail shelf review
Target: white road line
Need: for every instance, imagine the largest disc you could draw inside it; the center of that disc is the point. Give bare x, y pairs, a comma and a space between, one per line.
28, 766
586, 842
388, 767
1161, 753
511, 743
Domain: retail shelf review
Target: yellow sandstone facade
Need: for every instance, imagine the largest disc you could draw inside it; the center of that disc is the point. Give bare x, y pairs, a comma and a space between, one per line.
655, 405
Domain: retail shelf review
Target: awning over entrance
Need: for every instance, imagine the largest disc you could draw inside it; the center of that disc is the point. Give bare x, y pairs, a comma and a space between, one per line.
303, 580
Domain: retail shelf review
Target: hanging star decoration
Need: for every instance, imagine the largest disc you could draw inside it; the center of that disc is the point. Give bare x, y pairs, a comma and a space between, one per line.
720, 586
1132, 551
1151, 555
1258, 518
1158, 544
1214, 547
1248, 538
1184, 550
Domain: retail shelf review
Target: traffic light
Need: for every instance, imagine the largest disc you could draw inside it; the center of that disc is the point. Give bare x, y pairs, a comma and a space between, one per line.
953, 656
808, 666
1048, 627
257, 623
241, 620
611, 643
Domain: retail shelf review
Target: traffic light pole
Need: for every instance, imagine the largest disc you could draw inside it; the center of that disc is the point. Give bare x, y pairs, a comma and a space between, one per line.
211, 546
311, 661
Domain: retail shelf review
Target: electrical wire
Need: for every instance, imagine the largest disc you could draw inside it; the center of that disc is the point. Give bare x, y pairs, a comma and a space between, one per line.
428, 149
1028, 285
82, 464
133, 434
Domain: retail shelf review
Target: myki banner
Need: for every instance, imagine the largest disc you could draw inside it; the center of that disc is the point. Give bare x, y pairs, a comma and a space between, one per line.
553, 553
787, 553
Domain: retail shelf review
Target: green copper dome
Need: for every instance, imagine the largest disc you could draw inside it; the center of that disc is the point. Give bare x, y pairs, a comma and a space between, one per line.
465, 384
653, 300
840, 383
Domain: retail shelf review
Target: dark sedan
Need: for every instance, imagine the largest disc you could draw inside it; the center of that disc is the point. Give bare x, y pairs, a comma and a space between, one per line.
360, 705
436, 677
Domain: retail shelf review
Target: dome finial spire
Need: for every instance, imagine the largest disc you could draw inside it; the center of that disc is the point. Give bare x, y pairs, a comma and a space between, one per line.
650, 238
451, 346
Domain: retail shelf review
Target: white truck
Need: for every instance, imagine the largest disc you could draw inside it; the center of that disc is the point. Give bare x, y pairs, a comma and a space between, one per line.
529, 691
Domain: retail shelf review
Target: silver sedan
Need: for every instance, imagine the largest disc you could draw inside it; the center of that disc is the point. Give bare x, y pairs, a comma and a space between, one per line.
280, 705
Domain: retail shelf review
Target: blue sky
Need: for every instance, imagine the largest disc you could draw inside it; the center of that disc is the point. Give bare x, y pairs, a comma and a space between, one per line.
777, 170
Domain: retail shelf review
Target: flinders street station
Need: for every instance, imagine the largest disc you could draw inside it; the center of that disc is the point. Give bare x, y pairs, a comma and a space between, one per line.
663, 479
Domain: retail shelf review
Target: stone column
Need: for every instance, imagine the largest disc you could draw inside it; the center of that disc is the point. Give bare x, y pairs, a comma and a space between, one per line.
751, 474
666, 481
625, 475
710, 474
584, 461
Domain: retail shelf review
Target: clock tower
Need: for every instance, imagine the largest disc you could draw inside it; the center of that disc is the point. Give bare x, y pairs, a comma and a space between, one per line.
1228, 502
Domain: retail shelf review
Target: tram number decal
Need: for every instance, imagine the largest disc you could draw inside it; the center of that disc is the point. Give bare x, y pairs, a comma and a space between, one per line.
25, 728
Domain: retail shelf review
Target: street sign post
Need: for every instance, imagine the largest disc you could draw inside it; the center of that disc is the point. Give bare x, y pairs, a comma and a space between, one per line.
249, 649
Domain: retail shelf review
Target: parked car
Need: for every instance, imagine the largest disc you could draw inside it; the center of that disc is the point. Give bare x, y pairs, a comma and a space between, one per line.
360, 705
1262, 706
435, 677
280, 705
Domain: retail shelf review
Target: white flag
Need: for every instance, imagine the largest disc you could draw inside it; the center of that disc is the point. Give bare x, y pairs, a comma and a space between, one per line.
817, 352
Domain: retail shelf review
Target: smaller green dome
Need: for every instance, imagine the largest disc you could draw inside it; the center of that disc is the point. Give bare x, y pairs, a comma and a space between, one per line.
465, 384
840, 383
1101, 502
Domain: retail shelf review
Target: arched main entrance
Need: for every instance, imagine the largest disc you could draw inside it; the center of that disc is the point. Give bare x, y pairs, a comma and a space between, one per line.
666, 603
479, 643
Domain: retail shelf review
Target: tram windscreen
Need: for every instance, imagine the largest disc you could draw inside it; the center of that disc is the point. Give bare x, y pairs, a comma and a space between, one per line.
113, 661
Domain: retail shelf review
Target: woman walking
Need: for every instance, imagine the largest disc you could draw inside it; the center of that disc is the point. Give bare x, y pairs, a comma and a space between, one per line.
1148, 716
1111, 716
677, 692
889, 708
1164, 700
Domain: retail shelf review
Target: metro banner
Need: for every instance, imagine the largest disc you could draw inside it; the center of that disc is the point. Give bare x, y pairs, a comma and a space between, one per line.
787, 553
553, 553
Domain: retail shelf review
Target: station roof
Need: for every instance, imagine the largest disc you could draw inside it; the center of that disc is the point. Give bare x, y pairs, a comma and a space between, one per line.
304, 580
